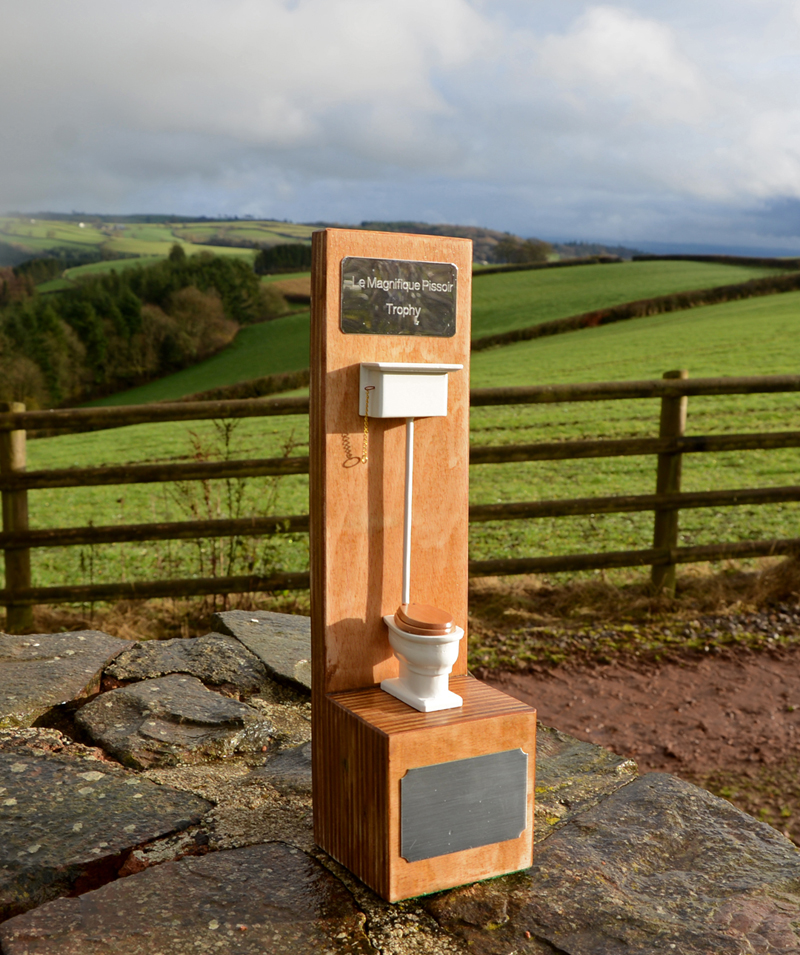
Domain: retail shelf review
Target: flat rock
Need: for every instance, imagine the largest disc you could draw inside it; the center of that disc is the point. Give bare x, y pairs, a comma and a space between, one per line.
289, 771
42, 671
658, 866
249, 901
69, 819
282, 641
216, 659
572, 776
172, 720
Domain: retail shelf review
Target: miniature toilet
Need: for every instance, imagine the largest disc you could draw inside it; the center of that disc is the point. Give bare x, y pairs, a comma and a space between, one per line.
425, 641
410, 800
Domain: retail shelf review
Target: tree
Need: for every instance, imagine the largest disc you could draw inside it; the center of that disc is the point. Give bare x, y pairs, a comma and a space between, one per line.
519, 251
287, 257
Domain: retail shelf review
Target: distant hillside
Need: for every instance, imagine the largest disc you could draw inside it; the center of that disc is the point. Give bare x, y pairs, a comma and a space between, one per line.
484, 241
86, 238
582, 250
95, 238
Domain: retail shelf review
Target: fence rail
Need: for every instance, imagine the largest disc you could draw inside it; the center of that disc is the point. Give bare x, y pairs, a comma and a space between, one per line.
75, 420
17, 538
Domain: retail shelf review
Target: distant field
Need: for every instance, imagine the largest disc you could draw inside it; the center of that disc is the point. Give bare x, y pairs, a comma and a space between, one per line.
115, 265
509, 300
299, 286
40, 236
283, 276
758, 336
54, 285
257, 350
266, 233
592, 287
752, 337
146, 239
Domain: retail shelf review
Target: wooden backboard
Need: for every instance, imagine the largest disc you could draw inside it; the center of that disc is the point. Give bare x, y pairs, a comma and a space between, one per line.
357, 509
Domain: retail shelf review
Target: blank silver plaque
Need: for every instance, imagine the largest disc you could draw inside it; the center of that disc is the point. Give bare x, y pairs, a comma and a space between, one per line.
463, 804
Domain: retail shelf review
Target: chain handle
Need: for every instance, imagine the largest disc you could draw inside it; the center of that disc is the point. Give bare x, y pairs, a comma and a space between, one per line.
365, 446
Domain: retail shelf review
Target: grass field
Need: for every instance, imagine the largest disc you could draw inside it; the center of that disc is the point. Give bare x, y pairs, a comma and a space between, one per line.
114, 265
502, 302
283, 276
39, 236
758, 336
505, 301
257, 350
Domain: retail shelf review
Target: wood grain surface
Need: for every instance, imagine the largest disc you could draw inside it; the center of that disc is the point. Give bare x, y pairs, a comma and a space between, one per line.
373, 741
357, 509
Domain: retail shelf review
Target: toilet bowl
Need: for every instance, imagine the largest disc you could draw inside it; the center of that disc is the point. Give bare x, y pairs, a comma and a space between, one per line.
426, 655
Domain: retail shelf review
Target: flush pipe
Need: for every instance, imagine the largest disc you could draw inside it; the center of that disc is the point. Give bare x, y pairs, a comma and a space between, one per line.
409, 488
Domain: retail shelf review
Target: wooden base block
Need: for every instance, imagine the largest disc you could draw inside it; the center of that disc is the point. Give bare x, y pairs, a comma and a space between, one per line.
374, 810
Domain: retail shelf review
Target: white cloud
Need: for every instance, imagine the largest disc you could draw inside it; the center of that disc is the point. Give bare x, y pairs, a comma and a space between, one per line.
470, 110
630, 63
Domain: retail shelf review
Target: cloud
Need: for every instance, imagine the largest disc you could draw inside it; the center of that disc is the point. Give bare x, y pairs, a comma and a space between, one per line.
615, 58
521, 114
266, 75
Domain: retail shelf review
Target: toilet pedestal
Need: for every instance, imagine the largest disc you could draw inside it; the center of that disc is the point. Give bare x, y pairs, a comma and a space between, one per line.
426, 801
425, 665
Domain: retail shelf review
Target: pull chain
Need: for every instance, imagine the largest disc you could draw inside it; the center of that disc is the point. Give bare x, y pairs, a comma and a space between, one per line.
365, 448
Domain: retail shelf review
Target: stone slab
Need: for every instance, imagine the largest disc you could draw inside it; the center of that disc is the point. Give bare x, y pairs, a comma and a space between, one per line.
572, 776
248, 901
216, 659
69, 819
44, 670
282, 641
659, 866
288, 771
172, 720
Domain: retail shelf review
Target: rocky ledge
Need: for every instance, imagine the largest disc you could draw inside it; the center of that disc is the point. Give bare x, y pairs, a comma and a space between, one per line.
156, 798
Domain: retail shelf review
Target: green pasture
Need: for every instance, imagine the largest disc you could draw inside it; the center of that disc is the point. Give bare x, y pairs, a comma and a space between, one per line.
145, 247
137, 260
758, 336
54, 285
112, 265
268, 437
258, 350
120, 265
752, 337
591, 289
39, 236
268, 232
149, 231
508, 300
23, 229
146, 239
282, 276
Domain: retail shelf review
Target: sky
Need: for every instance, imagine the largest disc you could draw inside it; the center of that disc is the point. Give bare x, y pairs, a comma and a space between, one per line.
671, 121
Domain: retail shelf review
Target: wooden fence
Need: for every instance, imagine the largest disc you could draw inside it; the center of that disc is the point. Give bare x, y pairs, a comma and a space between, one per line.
17, 538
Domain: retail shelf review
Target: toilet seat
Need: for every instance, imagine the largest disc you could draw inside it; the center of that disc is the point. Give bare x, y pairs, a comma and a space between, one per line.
424, 620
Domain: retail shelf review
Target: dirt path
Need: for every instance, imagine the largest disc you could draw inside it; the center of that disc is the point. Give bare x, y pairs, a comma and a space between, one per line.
731, 723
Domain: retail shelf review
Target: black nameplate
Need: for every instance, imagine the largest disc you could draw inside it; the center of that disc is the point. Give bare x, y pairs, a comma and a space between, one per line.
397, 297
463, 804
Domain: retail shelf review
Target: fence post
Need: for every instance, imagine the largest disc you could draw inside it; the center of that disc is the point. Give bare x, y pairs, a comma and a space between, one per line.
668, 481
19, 618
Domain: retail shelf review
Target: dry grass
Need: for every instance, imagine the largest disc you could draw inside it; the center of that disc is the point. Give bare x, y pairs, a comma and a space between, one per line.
499, 606
160, 619
512, 602
527, 622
